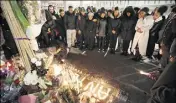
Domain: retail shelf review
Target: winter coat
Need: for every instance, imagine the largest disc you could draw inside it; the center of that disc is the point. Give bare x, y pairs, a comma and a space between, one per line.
154, 31
70, 21
81, 22
114, 24
164, 90
46, 38
102, 27
1, 37
142, 38
128, 28
60, 26
90, 28
168, 31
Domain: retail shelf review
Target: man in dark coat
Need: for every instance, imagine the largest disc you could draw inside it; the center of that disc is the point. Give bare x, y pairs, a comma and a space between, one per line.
114, 29
128, 28
81, 22
70, 25
9, 47
48, 33
90, 32
164, 90
61, 27
153, 33
52, 11
167, 35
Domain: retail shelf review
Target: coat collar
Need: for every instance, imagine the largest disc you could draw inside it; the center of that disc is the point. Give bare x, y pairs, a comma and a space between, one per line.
159, 19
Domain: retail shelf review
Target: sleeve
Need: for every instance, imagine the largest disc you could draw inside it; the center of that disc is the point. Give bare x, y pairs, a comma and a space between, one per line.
136, 26
148, 23
163, 94
109, 27
95, 28
65, 22
119, 27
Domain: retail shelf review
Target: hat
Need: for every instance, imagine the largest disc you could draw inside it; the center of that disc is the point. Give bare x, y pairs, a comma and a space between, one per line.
116, 8
102, 11
110, 11
91, 14
162, 9
145, 9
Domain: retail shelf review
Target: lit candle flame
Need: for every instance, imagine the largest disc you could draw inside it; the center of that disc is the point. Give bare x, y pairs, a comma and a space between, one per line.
144, 73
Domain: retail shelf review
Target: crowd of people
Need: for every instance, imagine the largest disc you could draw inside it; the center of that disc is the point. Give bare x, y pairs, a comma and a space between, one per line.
134, 31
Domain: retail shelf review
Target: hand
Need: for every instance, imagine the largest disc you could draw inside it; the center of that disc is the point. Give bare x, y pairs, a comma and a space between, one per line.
113, 31
161, 52
49, 30
94, 20
79, 31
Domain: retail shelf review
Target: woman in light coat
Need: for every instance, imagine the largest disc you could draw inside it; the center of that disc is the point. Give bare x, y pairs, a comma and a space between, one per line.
141, 37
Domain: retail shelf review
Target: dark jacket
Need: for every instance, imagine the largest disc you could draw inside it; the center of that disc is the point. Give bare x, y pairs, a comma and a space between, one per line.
45, 39
154, 31
60, 26
128, 24
90, 28
168, 31
81, 23
102, 26
164, 90
70, 21
114, 24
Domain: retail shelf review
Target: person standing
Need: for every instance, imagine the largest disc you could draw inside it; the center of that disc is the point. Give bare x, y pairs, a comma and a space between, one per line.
167, 35
114, 28
61, 27
140, 41
102, 31
153, 33
128, 28
81, 22
70, 25
90, 32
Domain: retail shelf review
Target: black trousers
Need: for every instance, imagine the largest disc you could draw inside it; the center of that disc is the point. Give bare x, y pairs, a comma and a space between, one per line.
107, 41
113, 40
150, 47
101, 42
80, 40
126, 44
165, 56
89, 40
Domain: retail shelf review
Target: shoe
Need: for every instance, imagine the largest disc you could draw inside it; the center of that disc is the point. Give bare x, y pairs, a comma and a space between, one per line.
99, 50
125, 54
122, 53
103, 50
147, 60
112, 52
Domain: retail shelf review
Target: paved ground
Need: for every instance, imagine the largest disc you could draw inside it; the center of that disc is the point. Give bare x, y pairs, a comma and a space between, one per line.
119, 70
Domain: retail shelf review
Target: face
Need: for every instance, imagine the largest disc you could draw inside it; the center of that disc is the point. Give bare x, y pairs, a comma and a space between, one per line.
142, 14
128, 14
71, 10
156, 15
116, 13
83, 13
113, 8
102, 15
172, 59
90, 17
109, 14
62, 13
51, 9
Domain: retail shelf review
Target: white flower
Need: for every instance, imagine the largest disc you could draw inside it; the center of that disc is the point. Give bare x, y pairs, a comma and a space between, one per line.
31, 78
38, 63
33, 60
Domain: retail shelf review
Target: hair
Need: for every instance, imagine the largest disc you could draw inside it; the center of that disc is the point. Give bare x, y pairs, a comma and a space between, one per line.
116, 8
70, 7
61, 10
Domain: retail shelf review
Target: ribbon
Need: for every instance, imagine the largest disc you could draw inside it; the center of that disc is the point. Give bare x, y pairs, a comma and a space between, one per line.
22, 39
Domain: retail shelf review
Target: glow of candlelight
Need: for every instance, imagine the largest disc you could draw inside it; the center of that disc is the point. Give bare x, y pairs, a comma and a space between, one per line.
57, 69
144, 73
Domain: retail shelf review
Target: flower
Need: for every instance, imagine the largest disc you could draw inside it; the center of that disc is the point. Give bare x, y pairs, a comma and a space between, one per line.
38, 63
33, 60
